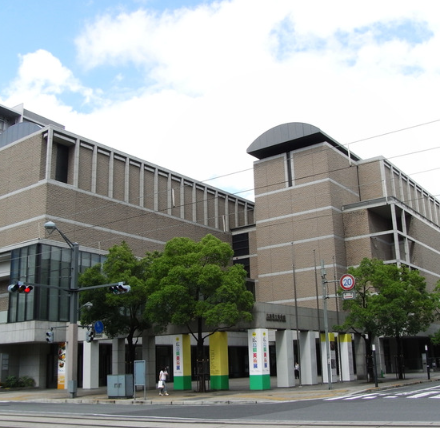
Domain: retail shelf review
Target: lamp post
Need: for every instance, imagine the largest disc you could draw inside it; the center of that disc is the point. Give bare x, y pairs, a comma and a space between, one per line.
427, 363
72, 331
327, 340
373, 348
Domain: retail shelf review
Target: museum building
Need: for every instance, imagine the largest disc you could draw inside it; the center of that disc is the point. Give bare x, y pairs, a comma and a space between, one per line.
318, 210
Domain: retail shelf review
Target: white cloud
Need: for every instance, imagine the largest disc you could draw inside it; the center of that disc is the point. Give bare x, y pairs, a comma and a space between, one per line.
219, 75
42, 79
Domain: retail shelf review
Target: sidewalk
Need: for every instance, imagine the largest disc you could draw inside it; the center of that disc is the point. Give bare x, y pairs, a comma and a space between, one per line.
238, 393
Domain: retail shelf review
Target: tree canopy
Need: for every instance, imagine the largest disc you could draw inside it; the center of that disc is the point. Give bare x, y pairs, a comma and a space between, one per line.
121, 314
192, 284
391, 301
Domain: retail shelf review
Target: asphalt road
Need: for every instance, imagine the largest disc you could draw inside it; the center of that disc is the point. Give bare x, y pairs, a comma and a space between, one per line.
414, 405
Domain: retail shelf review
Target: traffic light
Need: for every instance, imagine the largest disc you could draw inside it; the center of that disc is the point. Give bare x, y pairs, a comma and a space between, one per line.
20, 287
120, 288
49, 336
90, 335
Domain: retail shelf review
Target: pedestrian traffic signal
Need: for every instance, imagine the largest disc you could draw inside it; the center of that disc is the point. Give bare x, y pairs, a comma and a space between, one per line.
120, 288
90, 335
49, 336
20, 287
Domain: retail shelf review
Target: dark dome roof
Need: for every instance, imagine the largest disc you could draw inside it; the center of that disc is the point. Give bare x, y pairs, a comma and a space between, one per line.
290, 136
18, 131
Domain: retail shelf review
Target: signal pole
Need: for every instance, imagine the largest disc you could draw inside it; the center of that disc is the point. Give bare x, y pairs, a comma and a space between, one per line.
327, 341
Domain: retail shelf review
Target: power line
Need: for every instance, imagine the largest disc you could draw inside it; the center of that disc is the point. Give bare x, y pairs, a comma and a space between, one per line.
393, 132
166, 209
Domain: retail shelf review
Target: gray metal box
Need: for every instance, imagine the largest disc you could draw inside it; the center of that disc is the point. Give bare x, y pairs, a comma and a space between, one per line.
120, 386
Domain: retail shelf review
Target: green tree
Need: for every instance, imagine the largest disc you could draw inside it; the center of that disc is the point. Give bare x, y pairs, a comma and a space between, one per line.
194, 285
121, 314
391, 301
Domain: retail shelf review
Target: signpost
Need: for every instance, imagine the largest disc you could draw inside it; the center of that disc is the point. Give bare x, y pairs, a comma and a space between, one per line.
99, 327
347, 283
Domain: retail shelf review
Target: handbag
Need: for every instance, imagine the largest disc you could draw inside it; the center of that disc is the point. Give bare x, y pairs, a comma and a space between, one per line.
160, 384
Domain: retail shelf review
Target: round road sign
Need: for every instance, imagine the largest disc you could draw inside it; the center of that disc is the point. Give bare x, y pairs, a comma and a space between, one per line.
99, 327
347, 282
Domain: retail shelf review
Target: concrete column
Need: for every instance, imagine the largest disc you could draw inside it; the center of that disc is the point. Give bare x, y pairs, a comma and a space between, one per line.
149, 355
118, 356
94, 168
49, 154
216, 217
360, 353
194, 203
259, 365
218, 361
169, 195
76, 151
72, 351
156, 190
347, 367
205, 206
285, 360
127, 180
90, 365
142, 185
111, 171
182, 198
226, 218
182, 362
308, 362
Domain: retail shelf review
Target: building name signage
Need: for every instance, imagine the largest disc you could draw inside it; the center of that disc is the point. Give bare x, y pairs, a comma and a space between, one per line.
276, 317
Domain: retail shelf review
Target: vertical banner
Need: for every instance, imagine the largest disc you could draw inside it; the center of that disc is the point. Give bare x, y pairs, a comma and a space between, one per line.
61, 384
218, 361
182, 362
259, 367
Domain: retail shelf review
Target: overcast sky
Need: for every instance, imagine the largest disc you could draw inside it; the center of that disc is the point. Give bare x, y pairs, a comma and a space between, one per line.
189, 85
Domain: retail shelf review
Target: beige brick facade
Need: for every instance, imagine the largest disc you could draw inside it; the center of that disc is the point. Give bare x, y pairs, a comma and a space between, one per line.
108, 197
316, 205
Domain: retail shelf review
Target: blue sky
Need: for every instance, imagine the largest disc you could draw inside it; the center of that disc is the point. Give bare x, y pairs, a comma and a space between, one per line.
180, 82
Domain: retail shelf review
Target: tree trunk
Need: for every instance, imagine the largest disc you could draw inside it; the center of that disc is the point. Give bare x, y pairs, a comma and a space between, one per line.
131, 354
369, 357
400, 361
201, 363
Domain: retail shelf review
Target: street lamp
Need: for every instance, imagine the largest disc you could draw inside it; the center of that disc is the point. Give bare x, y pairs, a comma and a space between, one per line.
427, 362
72, 331
327, 340
373, 349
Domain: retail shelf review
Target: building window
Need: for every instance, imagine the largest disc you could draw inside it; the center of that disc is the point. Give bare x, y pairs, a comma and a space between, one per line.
62, 163
240, 244
48, 265
289, 169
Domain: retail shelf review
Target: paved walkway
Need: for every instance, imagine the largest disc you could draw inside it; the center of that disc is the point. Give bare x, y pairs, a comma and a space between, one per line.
238, 392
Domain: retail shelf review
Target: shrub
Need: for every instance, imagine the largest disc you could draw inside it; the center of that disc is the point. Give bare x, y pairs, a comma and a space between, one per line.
14, 382
11, 382
26, 381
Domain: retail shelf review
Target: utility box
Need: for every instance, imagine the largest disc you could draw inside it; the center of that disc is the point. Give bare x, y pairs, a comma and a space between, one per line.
4, 367
120, 386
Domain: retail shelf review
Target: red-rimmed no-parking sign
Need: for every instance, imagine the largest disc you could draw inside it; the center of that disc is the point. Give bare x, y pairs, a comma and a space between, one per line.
347, 282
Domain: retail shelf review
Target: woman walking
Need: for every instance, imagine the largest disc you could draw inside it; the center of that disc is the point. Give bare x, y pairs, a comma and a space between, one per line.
162, 381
